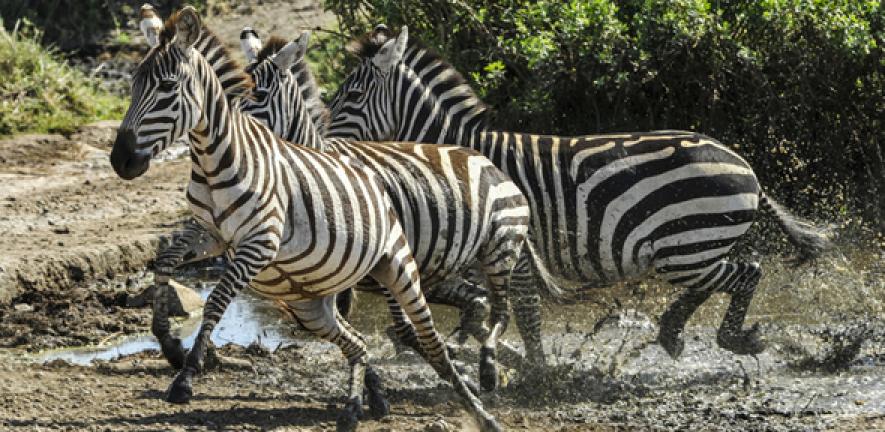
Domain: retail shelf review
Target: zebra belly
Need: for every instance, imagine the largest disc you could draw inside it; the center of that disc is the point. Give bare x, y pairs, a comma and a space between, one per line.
291, 282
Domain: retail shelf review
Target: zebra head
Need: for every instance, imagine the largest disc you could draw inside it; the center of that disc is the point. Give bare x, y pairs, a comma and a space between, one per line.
166, 100
276, 99
363, 107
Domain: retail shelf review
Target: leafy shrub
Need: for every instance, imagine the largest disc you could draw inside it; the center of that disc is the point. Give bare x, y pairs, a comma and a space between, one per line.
795, 85
40, 92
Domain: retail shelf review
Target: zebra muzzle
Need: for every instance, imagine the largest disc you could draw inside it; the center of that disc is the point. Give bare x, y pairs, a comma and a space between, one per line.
128, 163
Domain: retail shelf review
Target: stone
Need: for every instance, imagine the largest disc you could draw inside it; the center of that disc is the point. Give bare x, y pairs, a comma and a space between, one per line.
182, 299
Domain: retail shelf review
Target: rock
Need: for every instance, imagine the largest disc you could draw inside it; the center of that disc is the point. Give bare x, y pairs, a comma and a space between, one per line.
182, 300
439, 425
24, 307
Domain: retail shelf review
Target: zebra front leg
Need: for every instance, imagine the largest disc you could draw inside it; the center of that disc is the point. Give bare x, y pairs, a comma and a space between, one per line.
320, 318
247, 261
193, 243
398, 272
731, 334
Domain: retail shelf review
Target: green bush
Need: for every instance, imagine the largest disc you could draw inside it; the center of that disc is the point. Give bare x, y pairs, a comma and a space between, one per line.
85, 25
40, 92
795, 85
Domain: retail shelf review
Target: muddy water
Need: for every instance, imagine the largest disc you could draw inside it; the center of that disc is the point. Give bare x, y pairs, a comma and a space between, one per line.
248, 320
604, 367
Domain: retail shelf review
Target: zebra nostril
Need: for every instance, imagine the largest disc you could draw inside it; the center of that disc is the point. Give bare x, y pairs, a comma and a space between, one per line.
124, 159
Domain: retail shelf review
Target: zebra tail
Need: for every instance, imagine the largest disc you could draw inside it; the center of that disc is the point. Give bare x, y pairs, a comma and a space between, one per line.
811, 241
551, 284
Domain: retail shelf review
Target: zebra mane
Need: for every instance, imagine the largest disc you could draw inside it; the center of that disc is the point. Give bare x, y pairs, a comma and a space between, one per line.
235, 82
307, 85
422, 58
271, 46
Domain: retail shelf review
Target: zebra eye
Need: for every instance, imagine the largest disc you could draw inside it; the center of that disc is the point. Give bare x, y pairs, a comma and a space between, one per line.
167, 85
354, 93
259, 94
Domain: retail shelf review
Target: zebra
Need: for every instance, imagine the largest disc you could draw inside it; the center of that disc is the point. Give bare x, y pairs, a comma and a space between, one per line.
605, 208
417, 176
280, 105
298, 225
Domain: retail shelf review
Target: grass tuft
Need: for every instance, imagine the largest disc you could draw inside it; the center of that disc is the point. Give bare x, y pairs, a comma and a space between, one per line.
41, 92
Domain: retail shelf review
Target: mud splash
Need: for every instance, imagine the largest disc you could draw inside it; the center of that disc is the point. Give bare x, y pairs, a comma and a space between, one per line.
248, 321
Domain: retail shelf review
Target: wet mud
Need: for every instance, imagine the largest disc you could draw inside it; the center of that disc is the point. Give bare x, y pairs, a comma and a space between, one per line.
824, 367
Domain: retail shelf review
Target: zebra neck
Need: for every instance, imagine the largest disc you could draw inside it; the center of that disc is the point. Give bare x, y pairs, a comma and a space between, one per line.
310, 95
214, 140
301, 130
429, 115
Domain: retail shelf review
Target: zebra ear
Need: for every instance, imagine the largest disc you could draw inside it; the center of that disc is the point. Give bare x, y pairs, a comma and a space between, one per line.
292, 52
250, 43
392, 51
187, 27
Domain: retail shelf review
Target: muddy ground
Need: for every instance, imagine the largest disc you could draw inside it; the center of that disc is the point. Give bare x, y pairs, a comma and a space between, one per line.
75, 358
76, 241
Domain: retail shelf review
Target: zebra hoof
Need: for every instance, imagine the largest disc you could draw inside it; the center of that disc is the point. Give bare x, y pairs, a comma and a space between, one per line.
350, 416
489, 424
181, 390
173, 352
742, 342
378, 405
671, 343
488, 372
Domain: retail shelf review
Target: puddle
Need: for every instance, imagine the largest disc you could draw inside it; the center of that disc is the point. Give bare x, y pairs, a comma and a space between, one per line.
248, 320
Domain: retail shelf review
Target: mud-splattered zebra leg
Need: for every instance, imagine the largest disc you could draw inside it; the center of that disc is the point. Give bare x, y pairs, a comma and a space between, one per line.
498, 265
320, 317
246, 262
526, 300
397, 271
471, 300
192, 243
741, 286
736, 279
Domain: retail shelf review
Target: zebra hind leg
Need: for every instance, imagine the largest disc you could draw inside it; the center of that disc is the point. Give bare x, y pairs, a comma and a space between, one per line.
498, 265
672, 322
731, 335
471, 299
527, 309
403, 334
398, 272
737, 279
320, 318
377, 402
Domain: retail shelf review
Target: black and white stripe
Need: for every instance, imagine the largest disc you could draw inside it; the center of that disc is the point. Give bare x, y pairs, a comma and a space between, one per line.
605, 208
298, 225
455, 206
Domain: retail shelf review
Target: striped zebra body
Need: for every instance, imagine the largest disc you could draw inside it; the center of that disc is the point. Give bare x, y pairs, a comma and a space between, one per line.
456, 207
297, 224
605, 208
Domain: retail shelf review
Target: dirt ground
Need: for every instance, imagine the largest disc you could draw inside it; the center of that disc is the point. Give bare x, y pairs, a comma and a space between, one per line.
76, 240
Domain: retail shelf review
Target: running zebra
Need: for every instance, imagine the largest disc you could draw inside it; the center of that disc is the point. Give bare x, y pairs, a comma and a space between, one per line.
297, 225
454, 204
414, 181
605, 208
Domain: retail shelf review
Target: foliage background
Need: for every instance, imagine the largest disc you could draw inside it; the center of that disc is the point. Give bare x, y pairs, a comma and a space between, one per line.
795, 85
